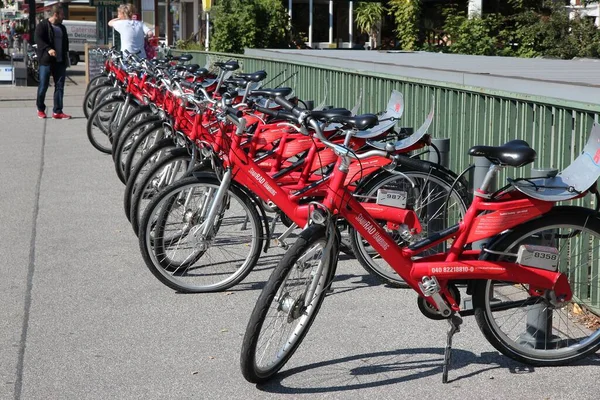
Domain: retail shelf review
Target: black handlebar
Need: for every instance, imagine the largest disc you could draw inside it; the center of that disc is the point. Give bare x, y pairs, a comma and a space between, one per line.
277, 114
234, 112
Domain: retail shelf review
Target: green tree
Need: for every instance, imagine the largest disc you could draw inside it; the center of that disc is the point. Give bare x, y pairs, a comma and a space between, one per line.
406, 16
477, 35
368, 18
239, 24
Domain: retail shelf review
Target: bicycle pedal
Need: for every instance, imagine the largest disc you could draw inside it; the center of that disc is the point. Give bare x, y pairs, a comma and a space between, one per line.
454, 321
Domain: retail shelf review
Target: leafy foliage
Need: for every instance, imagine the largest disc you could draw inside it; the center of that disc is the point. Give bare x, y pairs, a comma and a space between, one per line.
238, 24
189, 45
528, 29
368, 17
471, 35
406, 16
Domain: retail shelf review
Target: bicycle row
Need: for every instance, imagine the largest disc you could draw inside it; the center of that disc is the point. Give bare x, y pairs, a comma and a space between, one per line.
213, 163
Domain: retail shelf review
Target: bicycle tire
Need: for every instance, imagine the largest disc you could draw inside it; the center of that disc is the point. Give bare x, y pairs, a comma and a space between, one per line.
162, 173
144, 143
126, 143
140, 114
287, 308
96, 95
226, 259
430, 184
95, 81
98, 133
525, 342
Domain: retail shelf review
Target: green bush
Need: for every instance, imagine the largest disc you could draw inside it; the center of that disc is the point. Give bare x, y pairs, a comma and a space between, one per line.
530, 29
238, 24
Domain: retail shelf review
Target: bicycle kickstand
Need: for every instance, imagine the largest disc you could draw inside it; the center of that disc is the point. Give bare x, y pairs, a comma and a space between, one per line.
454, 321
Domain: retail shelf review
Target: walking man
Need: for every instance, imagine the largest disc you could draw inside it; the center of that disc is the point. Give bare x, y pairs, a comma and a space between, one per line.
53, 55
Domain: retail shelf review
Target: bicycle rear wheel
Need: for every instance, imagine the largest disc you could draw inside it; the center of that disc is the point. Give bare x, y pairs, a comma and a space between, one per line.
533, 329
286, 308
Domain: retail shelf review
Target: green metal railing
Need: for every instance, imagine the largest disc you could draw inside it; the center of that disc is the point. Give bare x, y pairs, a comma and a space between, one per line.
557, 129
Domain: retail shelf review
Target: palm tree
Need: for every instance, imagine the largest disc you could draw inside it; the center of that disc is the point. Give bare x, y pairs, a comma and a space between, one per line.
368, 18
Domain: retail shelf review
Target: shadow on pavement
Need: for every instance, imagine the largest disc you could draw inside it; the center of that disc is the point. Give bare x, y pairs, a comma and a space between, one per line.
392, 367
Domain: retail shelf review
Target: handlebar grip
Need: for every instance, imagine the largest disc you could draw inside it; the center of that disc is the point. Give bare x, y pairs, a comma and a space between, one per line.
264, 110
188, 85
415, 163
234, 112
288, 105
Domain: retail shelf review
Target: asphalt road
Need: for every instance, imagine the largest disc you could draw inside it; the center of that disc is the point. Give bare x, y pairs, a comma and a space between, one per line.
82, 317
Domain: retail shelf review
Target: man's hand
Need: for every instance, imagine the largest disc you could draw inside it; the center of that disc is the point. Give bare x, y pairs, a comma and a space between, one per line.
52, 52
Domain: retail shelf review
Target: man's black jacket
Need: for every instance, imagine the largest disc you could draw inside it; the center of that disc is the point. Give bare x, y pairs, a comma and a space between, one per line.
44, 38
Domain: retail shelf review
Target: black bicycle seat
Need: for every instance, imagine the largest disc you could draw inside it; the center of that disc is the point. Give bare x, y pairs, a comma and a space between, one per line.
229, 65
183, 57
254, 76
283, 91
331, 113
192, 68
360, 122
202, 72
515, 153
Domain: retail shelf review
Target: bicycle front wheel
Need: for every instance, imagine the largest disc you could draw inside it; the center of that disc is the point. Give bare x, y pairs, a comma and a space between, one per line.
288, 305
98, 124
162, 174
534, 329
177, 253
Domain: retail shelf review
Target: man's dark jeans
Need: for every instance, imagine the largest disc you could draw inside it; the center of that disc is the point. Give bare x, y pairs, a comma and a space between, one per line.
59, 72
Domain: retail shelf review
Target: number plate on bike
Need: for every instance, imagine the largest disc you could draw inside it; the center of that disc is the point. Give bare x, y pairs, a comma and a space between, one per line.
543, 257
392, 198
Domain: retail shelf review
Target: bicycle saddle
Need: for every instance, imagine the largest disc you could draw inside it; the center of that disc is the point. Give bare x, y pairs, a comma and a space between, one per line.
192, 68
228, 66
515, 153
282, 91
200, 73
180, 67
235, 81
360, 122
183, 57
254, 76
331, 113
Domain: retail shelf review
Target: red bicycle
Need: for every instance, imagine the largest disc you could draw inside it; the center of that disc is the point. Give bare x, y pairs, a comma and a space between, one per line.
205, 233
532, 284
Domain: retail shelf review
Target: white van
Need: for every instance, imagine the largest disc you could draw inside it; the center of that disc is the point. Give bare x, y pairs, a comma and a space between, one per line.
80, 33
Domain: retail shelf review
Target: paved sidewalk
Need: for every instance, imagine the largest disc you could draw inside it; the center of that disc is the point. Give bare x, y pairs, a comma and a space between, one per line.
82, 318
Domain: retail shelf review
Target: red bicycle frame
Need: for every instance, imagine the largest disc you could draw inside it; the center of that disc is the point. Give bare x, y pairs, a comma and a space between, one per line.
249, 174
455, 264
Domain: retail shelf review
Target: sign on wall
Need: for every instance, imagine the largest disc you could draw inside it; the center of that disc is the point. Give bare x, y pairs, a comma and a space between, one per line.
105, 3
6, 73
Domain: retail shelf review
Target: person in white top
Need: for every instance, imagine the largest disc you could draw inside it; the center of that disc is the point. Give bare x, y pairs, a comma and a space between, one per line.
132, 31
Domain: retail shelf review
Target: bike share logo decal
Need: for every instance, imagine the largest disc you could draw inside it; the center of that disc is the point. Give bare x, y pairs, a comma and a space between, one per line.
372, 231
458, 269
262, 181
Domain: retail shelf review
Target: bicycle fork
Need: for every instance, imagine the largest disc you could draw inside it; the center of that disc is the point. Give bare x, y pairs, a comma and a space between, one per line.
205, 230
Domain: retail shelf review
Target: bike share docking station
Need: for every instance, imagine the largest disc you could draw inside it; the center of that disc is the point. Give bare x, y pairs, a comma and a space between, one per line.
21, 77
